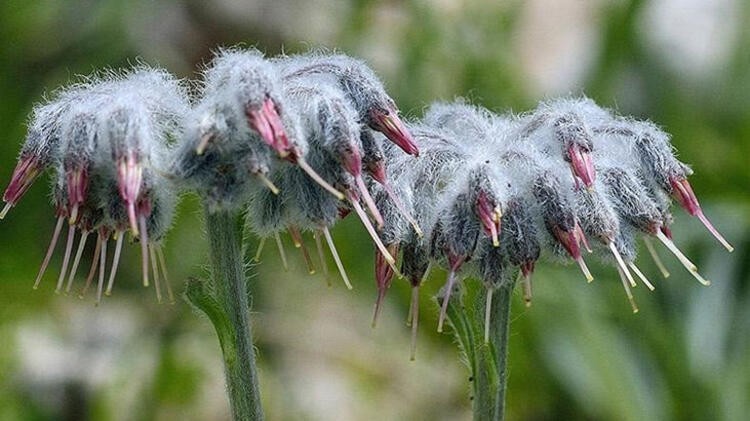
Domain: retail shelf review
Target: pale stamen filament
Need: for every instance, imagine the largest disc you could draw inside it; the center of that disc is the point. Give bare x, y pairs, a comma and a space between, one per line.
336, 257
282, 252
369, 202
444, 306
584, 269
66, 258
414, 315
50, 250
690, 266
165, 274
115, 263
94, 266
76, 260
155, 271
641, 276
710, 227
402, 209
488, 314
268, 183
321, 257
378, 243
655, 257
144, 250
621, 263
318, 179
526, 280
626, 285
102, 269
258, 252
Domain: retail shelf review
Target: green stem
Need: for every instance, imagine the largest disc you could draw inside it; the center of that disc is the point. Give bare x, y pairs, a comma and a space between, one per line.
229, 311
499, 334
486, 360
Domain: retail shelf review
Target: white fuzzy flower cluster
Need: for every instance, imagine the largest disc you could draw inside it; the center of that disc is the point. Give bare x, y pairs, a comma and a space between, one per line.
106, 141
299, 142
495, 193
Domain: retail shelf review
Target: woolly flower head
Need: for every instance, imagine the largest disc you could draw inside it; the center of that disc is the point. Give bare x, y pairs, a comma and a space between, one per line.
301, 142
106, 141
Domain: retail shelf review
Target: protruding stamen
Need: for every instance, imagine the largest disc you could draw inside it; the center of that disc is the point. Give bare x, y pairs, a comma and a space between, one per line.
144, 249
487, 315
155, 272
300, 244
282, 252
50, 250
444, 306
414, 312
422, 280
102, 269
115, 263
76, 260
336, 257
318, 179
683, 193
627, 290
5, 210
370, 230
94, 266
66, 258
265, 180
710, 227
402, 209
621, 263
673, 248
261, 243
641, 276
526, 279
690, 266
164, 273
700, 278
296, 238
378, 305
321, 257
584, 269
374, 212
655, 257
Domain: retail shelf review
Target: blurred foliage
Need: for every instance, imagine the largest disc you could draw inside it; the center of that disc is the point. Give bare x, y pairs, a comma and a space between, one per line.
578, 353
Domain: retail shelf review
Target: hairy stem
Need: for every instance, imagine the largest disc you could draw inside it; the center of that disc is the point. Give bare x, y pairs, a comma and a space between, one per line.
499, 333
228, 309
487, 361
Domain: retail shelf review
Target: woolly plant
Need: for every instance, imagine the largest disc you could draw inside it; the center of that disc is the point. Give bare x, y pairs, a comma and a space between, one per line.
294, 144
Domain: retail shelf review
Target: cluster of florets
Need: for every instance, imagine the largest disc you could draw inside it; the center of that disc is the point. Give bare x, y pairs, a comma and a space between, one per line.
494, 193
299, 142
106, 141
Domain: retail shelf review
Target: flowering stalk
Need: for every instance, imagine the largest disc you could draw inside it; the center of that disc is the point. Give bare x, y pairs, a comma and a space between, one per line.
487, 360
225, 300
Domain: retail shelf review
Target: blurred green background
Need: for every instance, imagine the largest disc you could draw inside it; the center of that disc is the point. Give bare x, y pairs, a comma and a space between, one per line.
578, 353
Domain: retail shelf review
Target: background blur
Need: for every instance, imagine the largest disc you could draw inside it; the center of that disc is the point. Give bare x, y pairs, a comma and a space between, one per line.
577, 353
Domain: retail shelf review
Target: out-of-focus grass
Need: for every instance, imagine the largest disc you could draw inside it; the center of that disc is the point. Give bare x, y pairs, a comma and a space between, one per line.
577, 353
